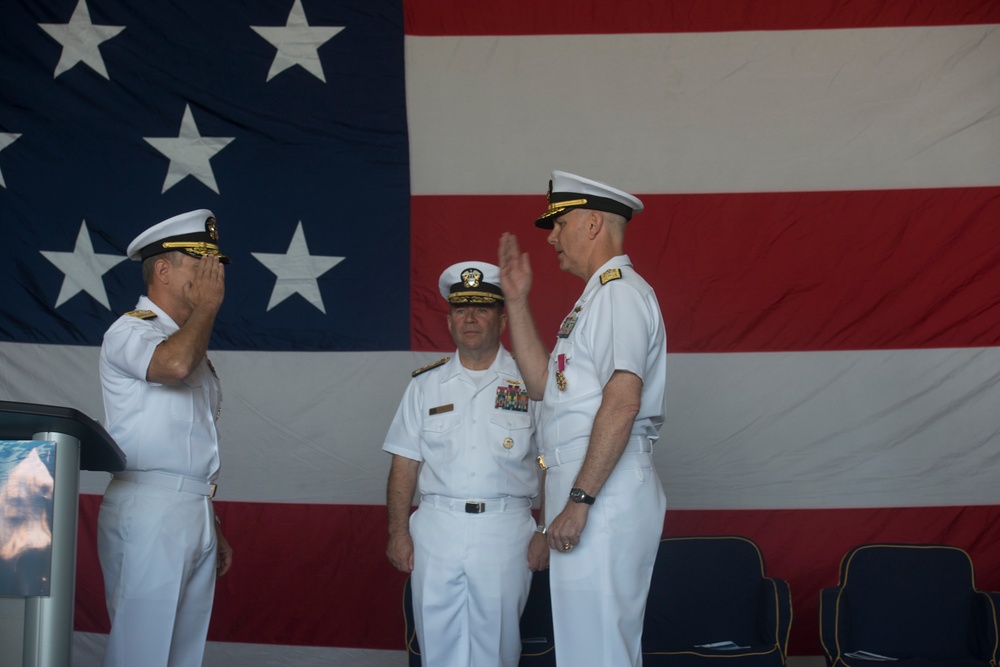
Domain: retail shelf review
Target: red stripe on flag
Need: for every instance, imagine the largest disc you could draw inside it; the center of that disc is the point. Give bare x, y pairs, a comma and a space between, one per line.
316, 575
756, 272
567, 17
308, 575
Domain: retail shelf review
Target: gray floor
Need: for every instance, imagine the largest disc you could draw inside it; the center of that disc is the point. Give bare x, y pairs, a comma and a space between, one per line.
88, 649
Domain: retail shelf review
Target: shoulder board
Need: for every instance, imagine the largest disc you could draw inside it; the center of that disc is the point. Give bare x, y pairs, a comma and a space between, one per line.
609, 275
424, 369
142, 314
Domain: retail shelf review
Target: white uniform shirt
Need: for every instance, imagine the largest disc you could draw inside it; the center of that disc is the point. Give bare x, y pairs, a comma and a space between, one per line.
614, 326
159, 427
474, 436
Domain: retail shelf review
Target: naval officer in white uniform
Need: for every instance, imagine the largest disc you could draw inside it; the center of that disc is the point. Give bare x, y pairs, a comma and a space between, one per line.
463, 438
159, 543
602, 396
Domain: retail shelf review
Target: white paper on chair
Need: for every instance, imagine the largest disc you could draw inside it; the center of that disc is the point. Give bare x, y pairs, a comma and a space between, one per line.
721, 646
868, 655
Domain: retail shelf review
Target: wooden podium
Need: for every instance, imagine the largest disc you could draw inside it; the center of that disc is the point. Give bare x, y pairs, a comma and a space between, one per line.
80, 444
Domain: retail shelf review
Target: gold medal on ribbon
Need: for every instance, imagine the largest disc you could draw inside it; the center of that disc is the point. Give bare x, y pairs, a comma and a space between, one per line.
560, 367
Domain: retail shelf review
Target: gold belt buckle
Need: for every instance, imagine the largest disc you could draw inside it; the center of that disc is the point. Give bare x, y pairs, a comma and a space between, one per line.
541, 462
211, 492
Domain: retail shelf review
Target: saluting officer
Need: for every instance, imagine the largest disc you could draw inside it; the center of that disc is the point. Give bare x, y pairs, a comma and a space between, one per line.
159, 544
601, 394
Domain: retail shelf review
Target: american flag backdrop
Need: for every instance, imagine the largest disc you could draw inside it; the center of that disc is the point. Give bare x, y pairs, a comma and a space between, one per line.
822, 226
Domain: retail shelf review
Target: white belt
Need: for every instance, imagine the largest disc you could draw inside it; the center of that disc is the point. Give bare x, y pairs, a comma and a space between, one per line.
560, 455
168, 480
475, 506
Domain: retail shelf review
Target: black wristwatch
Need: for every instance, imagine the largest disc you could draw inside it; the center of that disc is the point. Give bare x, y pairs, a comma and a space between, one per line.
578, 495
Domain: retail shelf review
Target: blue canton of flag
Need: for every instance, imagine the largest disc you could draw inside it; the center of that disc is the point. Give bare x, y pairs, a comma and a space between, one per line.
286, 119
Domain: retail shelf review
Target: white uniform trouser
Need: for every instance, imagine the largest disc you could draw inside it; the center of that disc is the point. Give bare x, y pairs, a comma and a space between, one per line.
157, 550
470, 583
599, 589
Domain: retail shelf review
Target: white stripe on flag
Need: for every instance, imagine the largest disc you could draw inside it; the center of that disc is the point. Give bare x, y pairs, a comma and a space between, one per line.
892, 428
854, 109
895, 428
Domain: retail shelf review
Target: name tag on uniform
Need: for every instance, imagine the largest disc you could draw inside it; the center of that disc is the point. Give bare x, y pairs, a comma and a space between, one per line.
442, 408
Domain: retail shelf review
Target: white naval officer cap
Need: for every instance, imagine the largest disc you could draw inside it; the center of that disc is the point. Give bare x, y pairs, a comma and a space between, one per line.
471, 282
568, 191
194, 233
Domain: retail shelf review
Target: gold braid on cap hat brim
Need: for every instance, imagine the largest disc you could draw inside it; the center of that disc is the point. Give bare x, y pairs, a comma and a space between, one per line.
593, 202
475, 297
560, 205
199, 248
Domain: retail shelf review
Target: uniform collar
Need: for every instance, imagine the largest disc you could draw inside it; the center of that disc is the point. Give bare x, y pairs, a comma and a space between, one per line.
145, 303
503, 364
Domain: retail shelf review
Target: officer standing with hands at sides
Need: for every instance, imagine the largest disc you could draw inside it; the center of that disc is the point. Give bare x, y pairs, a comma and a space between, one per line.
159, 542
463, 437
601, 391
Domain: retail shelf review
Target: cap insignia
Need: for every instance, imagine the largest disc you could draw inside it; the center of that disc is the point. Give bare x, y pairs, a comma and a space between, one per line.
212, 227
471, 278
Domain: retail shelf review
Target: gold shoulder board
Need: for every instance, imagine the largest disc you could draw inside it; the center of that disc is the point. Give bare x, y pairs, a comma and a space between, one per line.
424, 369
142, 314
609, 275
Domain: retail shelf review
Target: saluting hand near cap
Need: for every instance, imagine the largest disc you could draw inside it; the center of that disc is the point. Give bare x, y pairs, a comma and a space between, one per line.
208, 285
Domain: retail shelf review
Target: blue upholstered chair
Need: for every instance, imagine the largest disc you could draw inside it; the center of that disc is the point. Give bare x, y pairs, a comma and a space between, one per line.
537, 647
711, 603
916, 603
